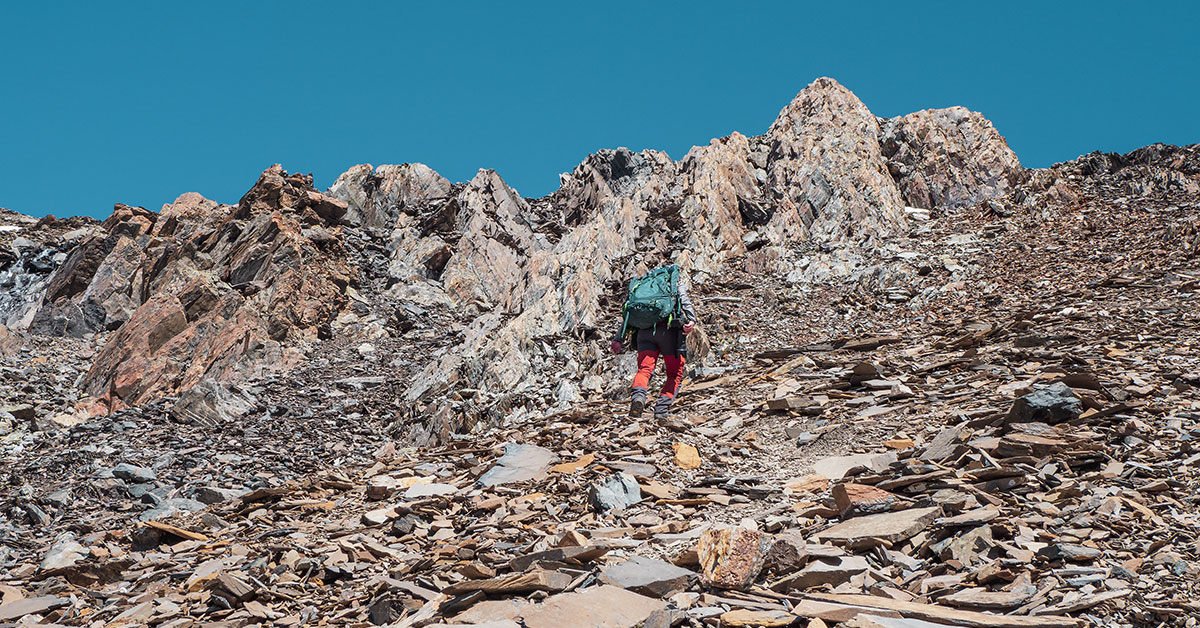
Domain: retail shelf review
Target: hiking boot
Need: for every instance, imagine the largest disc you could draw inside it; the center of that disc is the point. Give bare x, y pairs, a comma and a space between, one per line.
637, 401
662, 408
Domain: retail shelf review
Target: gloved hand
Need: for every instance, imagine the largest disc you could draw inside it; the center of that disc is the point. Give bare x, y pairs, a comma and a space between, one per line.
688, 327
616, 346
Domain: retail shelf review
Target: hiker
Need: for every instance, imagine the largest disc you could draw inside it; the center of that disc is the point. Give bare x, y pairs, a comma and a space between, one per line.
655, 318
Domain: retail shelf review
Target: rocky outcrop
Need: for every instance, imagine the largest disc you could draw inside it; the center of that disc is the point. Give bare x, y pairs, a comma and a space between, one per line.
826, 172
93, 289
31, 251
226, 292
535, 272
949, 158
495, 228
376, 198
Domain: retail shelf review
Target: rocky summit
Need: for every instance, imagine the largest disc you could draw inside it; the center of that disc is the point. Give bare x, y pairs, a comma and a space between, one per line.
936, 388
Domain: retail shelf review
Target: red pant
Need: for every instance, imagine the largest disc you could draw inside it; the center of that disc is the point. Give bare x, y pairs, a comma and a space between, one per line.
647, 360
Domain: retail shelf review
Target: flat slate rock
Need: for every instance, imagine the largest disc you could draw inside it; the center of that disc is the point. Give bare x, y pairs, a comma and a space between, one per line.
825, 571
892, 527
520, 463
835, 467
648, 576
983, 599
598, 607
28, 606
944, 614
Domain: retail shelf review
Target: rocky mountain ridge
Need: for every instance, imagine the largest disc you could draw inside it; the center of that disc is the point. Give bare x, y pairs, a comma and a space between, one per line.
194, 291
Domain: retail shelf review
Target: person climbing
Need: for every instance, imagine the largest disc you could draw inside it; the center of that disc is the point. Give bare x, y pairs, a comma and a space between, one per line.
655, 318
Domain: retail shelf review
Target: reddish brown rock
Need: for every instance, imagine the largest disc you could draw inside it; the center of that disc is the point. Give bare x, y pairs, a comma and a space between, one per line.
731, 558
860, 499
188, 214
229, 301
9, 342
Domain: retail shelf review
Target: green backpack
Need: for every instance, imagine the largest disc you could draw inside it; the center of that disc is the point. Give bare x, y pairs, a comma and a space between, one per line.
653, 298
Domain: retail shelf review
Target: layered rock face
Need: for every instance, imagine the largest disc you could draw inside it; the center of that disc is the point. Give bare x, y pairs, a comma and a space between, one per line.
825, 166
203, 290
949, 158
31, 250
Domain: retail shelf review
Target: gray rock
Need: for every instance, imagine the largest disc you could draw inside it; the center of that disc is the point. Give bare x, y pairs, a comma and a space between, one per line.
134, 473
1070, 552
139, 490
65, 552
216, 495
58, 499
30, 606
805, 438
826, 571
36, 514
567, 393
616, 492
519, 463
1053, 404
648, 577
212, 403
155, 496
172, 506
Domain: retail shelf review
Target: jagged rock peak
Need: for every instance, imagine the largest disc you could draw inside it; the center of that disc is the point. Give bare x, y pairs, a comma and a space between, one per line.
376, 197
277, 190
826, 172
949, 157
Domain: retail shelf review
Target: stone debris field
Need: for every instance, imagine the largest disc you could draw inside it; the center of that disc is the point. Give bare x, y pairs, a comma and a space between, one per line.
937, 389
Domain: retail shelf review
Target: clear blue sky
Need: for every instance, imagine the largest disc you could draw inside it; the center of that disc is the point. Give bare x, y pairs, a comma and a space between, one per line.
138, 102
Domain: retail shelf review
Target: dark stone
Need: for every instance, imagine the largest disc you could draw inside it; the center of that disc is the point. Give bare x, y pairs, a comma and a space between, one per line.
1053, 404
1070, 553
